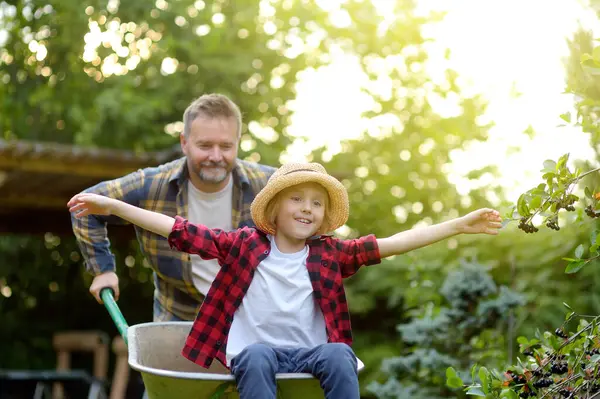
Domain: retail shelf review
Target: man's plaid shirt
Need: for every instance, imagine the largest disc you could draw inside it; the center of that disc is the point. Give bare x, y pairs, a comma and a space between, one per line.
239, 252
163, 189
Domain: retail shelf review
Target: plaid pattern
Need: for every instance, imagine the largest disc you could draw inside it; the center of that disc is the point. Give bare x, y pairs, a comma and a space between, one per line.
163, 189
239, 252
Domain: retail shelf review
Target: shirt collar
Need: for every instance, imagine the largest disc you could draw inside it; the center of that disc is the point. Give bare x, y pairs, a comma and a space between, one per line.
240, 177
308, 240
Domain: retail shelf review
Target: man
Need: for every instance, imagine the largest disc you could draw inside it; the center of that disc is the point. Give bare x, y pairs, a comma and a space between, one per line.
209, 185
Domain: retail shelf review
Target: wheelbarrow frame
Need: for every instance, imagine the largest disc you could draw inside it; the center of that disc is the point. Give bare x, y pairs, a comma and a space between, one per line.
220, 383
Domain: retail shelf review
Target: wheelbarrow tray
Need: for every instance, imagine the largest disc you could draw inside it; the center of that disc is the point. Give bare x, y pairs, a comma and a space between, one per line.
155, 351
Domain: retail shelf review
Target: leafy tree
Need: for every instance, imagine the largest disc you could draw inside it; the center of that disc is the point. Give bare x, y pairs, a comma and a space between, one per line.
396, 176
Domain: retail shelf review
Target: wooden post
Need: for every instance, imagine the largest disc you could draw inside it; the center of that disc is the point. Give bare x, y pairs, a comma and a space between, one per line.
95, 342
121, 375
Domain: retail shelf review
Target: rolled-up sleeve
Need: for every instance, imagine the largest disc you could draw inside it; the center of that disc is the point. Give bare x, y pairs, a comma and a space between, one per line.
91, 231
352, 254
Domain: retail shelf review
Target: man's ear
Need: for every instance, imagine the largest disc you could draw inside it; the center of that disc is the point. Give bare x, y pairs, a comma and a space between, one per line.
183, 143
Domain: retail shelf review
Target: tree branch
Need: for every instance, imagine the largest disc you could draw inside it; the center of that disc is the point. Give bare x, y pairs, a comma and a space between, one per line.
586, 173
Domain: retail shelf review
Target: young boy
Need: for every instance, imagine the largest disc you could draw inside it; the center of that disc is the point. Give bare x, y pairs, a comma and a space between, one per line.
278, 303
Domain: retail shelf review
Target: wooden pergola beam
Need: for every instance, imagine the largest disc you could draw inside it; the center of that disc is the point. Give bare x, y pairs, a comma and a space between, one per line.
55, 166
74, 160
32, 201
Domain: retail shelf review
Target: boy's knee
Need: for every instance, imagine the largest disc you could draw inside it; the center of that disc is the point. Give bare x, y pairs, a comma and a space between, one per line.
338, 354
257, 356
337, 349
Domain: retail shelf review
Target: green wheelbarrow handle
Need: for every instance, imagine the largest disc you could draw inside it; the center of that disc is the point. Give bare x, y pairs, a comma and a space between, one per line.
108, 298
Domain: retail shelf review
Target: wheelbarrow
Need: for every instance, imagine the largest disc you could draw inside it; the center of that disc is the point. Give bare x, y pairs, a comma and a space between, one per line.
155, 351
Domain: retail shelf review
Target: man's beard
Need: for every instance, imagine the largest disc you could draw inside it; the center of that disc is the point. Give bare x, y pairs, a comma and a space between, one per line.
213, 172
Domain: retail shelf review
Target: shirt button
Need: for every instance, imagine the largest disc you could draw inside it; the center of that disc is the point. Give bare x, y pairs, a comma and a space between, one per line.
266, 251
323, 263
218, 343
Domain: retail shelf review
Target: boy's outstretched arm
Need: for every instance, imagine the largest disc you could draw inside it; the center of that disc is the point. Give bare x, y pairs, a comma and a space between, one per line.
93, 204
485, 221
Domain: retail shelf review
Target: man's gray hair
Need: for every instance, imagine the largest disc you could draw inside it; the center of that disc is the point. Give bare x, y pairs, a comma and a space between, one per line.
212, 106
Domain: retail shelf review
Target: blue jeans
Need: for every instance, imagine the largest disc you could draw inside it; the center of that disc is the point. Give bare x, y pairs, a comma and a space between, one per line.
333, 364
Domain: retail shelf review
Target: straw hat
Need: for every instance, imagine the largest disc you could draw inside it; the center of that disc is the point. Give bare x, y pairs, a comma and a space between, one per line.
292, 174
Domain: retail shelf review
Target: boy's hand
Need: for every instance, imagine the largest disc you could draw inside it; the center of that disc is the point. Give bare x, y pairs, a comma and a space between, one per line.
485, 220
84, 204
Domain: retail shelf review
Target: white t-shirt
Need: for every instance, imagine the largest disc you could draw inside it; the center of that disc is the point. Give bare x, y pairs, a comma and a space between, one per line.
279, 307
213, 210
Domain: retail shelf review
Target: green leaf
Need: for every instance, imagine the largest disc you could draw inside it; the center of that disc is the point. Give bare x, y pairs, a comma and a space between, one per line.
535, 202
595, 359
452, 379
537, 190
523, 340
522, 206
594, 237
566, 117
510, 214
569, 315
585, 57
579, 251
450, 372
588, 192
562, 161
483, 376
454, 382
596, 53
567, 306
549, 166
475, 391
574, 267
508, 394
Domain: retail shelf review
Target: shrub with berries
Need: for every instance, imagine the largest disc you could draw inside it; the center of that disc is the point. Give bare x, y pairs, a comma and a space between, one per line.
548, 199
562, 364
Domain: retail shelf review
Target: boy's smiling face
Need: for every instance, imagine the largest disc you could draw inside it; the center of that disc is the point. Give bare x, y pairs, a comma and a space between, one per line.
301, 212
